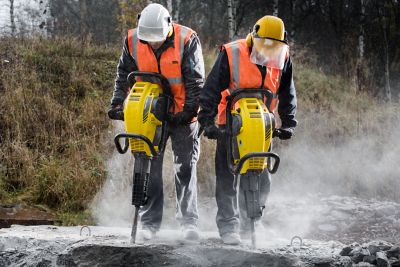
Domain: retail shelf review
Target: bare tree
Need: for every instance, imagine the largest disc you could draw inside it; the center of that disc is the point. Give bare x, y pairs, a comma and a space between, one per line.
292, 21
128, 11
385, 27
83, 29
388, 91
169, 5
176, 13
231, 28
276, 8
361, 47
12, 18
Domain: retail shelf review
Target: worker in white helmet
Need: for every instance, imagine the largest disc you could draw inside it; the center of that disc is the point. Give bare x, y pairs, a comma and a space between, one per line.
160, 45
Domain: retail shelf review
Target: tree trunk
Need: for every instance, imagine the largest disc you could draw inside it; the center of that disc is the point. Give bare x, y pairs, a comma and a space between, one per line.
384, 20
176, 10
82, 16
231, 27
211, 24
235, 4
361, 48
292, 30
12, 18
169, 6
388, 93
276, 8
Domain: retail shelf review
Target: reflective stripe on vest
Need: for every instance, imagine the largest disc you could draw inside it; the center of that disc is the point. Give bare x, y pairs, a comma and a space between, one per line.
245, 74
170, 60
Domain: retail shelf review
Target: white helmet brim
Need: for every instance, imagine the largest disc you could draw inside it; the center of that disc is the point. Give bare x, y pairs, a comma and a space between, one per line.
154, 23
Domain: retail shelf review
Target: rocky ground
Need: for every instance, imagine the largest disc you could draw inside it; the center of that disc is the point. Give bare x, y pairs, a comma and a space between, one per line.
333, 231
343, 219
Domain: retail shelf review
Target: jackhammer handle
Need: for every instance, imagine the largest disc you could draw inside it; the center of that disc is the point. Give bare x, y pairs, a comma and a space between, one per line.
127, 136
259, 155
232, 98
276, 163
164, 81
121, 150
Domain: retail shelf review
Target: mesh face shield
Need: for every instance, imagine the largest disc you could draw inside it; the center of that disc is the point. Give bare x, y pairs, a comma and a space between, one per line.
268, 52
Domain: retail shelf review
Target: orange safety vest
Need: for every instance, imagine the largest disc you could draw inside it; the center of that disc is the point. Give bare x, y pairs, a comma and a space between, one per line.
245, 74
170, 61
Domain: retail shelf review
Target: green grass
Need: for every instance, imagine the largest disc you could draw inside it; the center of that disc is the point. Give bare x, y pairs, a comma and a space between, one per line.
53, 120
75, 218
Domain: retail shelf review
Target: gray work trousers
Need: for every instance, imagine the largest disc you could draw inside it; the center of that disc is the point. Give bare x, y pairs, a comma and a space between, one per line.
230, 204
186, 149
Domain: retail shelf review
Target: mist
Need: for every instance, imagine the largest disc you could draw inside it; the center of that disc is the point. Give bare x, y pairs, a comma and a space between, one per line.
112, 204
315, 165
364, 164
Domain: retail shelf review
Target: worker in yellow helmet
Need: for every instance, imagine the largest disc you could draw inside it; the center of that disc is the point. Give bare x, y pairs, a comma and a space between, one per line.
260, 61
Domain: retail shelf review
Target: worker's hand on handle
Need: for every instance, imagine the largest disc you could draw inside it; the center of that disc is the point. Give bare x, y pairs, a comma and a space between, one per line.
211, 131
283, 133
116, 112
182, 118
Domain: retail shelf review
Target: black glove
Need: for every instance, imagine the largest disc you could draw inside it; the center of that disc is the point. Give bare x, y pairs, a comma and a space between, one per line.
283, 133
116, 112
182, 118
211, 131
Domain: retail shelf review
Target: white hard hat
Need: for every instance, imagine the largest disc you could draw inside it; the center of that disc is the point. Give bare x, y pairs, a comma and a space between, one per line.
154, 23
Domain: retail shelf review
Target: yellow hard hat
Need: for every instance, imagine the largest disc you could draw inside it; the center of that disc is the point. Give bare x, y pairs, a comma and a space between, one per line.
270, 27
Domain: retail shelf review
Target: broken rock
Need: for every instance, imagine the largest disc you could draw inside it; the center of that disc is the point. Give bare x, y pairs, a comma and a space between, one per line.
346, 251
370, 259
394, 252
382, 260
359, 254
395, 263
345, 261
24, 215
376, 246
363, 264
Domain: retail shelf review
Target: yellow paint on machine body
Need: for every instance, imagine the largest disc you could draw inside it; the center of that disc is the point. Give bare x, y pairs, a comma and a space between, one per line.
255, 132
139, 117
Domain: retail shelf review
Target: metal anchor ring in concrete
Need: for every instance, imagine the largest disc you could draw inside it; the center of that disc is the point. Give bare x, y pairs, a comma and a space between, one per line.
87, 227
298, 238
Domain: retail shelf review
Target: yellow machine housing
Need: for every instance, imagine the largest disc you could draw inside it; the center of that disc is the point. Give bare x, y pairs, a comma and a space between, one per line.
140, 117
252, 129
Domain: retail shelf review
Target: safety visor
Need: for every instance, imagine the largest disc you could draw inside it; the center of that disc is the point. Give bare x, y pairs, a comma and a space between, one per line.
269, 52
152, 34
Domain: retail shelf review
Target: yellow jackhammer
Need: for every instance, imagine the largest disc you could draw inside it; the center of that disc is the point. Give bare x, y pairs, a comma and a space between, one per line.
146, 114
250, 127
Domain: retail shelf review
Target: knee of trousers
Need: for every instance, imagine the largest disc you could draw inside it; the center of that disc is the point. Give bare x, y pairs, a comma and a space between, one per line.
186, 169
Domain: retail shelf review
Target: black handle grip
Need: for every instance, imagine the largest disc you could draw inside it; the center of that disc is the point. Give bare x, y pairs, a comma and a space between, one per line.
116, 114
163, 81
259, 155
123, 150
233, 97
